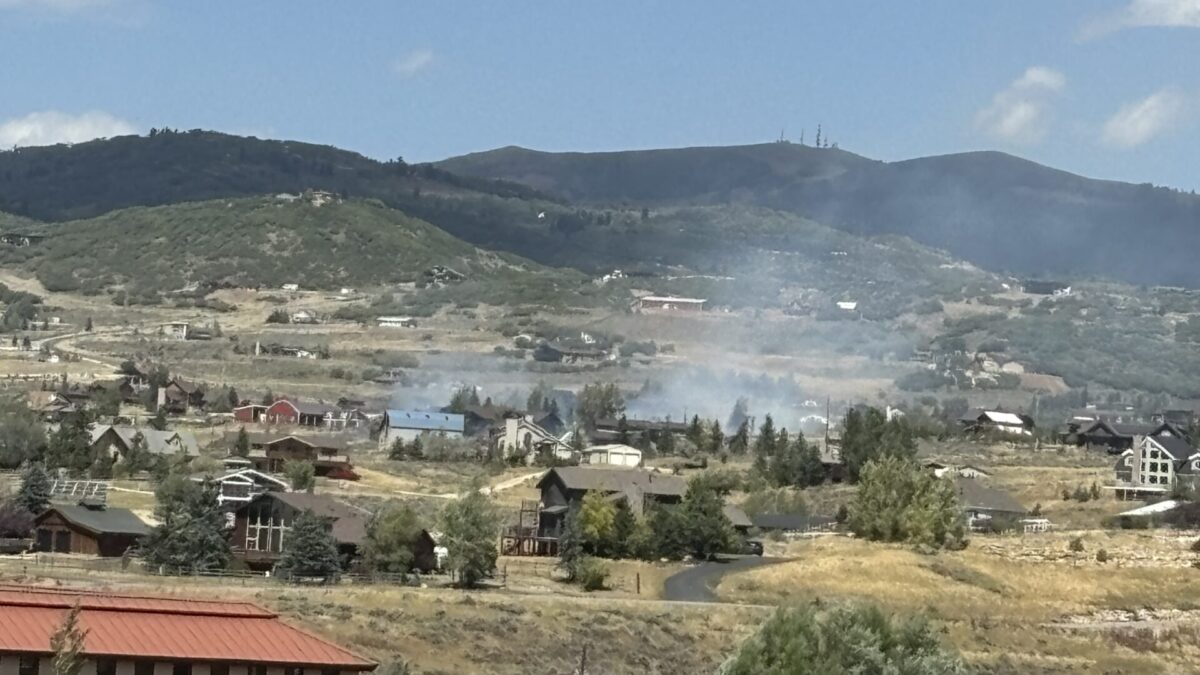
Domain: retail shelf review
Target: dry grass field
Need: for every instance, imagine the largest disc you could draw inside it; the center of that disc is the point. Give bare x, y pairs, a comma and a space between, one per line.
1008, 615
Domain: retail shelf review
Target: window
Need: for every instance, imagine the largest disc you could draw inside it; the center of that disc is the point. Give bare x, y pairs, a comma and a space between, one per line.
181, 669
143, 668
106, 667
219, 669
293, 671
258, 670
28, 665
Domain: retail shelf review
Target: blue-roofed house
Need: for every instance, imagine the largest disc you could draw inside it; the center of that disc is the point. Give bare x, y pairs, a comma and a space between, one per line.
409, 424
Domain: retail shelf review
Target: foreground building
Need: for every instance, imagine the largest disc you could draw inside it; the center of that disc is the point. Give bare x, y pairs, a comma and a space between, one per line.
141, 635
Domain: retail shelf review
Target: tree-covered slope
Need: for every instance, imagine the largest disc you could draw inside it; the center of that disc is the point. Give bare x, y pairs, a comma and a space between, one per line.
254, 242
998, 211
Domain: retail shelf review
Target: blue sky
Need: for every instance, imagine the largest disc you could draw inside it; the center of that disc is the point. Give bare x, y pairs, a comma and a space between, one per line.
1106, 88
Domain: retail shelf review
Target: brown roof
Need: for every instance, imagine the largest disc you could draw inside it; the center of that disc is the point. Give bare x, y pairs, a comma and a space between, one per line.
99, 520
349, 523
608, 479
164, 629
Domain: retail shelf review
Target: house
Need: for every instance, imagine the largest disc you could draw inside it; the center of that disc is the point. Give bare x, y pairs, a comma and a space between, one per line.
1034, 287
564, 487
481, 420
243, 485
116, 440
285, 411
177, 330
670, 303
522, 436
613, 454
966, 470
142, 635
181, 395
303, 316
260, 526
88, 528
327, 454
983, 504
20, 240
847, 305
612, 429
291, 288
558, 352
406, 425
1116, 437
396, 322
551, 421
793, 523
250, 413
737, 518
1182, 419
996, 421
1154, 465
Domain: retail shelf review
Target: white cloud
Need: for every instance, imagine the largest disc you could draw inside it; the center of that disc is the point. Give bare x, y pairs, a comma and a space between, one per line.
413, 63
50, 127
1140, 121
1145, 14
1019, 113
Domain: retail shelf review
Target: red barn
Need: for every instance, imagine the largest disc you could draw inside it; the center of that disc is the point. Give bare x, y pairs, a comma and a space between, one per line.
284, 411
250, 413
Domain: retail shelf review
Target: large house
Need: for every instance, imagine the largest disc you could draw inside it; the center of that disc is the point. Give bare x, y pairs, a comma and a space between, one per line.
117, 440
144, 635
564, 487
996, 421
1117, 437
522, 436
180, 396
983, 504
406, 425
327, 454
1156, 464
88, 528
285, 411
261, 525
243, 485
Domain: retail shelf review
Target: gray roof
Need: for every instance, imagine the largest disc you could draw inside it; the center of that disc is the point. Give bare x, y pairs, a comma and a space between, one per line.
424, 421
157, 442
973, 494
737, 516
608, 479
1176, 447
100, 520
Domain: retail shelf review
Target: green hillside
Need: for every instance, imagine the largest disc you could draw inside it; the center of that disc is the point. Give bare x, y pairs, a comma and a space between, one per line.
255, 242
1000, 212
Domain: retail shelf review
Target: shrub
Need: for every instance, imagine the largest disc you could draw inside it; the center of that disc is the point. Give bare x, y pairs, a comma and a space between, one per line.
1076, 545
591, 573
1102, 556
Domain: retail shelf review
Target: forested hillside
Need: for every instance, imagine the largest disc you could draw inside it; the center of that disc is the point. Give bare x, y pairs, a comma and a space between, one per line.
998, 211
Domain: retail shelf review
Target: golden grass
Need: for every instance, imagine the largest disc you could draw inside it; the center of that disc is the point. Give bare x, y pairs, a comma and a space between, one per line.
991, 607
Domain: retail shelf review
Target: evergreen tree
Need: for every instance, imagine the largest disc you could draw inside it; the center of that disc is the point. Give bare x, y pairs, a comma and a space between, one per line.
234, 400
570, 545
67, 645
87, 327
716, 439
623, 430
398, 451
764, 445
470, 525
70, 445
666, 443
241, 446
707, 529
810, 471
739, 442
310, 550
415, 451
191, 536
624, 525
695, 432
301, 475
34, 494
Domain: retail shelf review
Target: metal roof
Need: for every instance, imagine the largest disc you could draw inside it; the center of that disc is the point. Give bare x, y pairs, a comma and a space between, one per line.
973, 494
99, 520
424, 421
164, 629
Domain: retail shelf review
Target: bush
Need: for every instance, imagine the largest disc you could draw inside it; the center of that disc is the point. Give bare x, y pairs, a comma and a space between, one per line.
1075, 545
591, 573
1102, 556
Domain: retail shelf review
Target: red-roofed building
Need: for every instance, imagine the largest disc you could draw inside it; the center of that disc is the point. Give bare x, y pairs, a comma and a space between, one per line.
138, 635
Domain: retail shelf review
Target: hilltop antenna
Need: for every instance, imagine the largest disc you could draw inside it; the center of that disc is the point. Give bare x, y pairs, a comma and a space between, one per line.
781, 138
826, 423
818, 135
801, 137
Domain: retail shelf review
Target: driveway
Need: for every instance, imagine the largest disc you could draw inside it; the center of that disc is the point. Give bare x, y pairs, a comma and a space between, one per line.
696, 583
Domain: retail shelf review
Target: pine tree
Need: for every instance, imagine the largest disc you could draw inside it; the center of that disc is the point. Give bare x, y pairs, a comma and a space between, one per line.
310, 550
191, 536
739, 443
666, 443
34, 495
570, 544
67, 644
764, 445
415, 451
87, 327
716, 439
398, 451
241, 446
234, 400
624, 524
695, 432
623, 430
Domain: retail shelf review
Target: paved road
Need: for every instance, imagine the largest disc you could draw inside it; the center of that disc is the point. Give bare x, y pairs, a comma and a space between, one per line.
696, 584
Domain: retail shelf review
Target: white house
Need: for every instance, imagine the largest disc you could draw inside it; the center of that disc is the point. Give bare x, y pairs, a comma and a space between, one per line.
847, 305
175, 329
291, 287
409, 424
396, 322
614, 454
522, 435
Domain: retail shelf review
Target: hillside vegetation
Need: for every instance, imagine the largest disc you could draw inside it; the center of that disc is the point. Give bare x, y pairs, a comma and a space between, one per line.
1000, 212
256, 242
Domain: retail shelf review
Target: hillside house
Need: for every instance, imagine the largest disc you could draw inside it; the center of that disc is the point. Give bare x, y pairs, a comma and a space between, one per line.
250, 413
261, 525
610, 430
613, 454
328, 455
176, 330
20, 239
483, 420
671, 303
983, 504
564, 487
996, 421
303, 317
522, 436
285, 411
1155, 465
291, 288
964, 470
1115, 437
242, 486
144, 635
395, 322
406, 425
180, 395
557, 352
117, 440
88, 528
793, 523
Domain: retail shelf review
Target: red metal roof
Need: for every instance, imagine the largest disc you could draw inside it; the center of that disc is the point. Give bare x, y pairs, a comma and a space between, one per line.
165, 629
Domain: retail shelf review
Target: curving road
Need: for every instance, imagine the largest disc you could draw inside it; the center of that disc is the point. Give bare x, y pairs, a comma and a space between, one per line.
696, 583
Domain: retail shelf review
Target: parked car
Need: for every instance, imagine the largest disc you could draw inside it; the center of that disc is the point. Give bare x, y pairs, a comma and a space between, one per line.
752, 547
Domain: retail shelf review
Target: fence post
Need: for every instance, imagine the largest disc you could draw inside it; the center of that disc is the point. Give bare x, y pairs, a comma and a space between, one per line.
639, 583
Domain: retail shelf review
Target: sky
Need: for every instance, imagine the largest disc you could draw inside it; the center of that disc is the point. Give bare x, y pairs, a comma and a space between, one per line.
1104, 88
